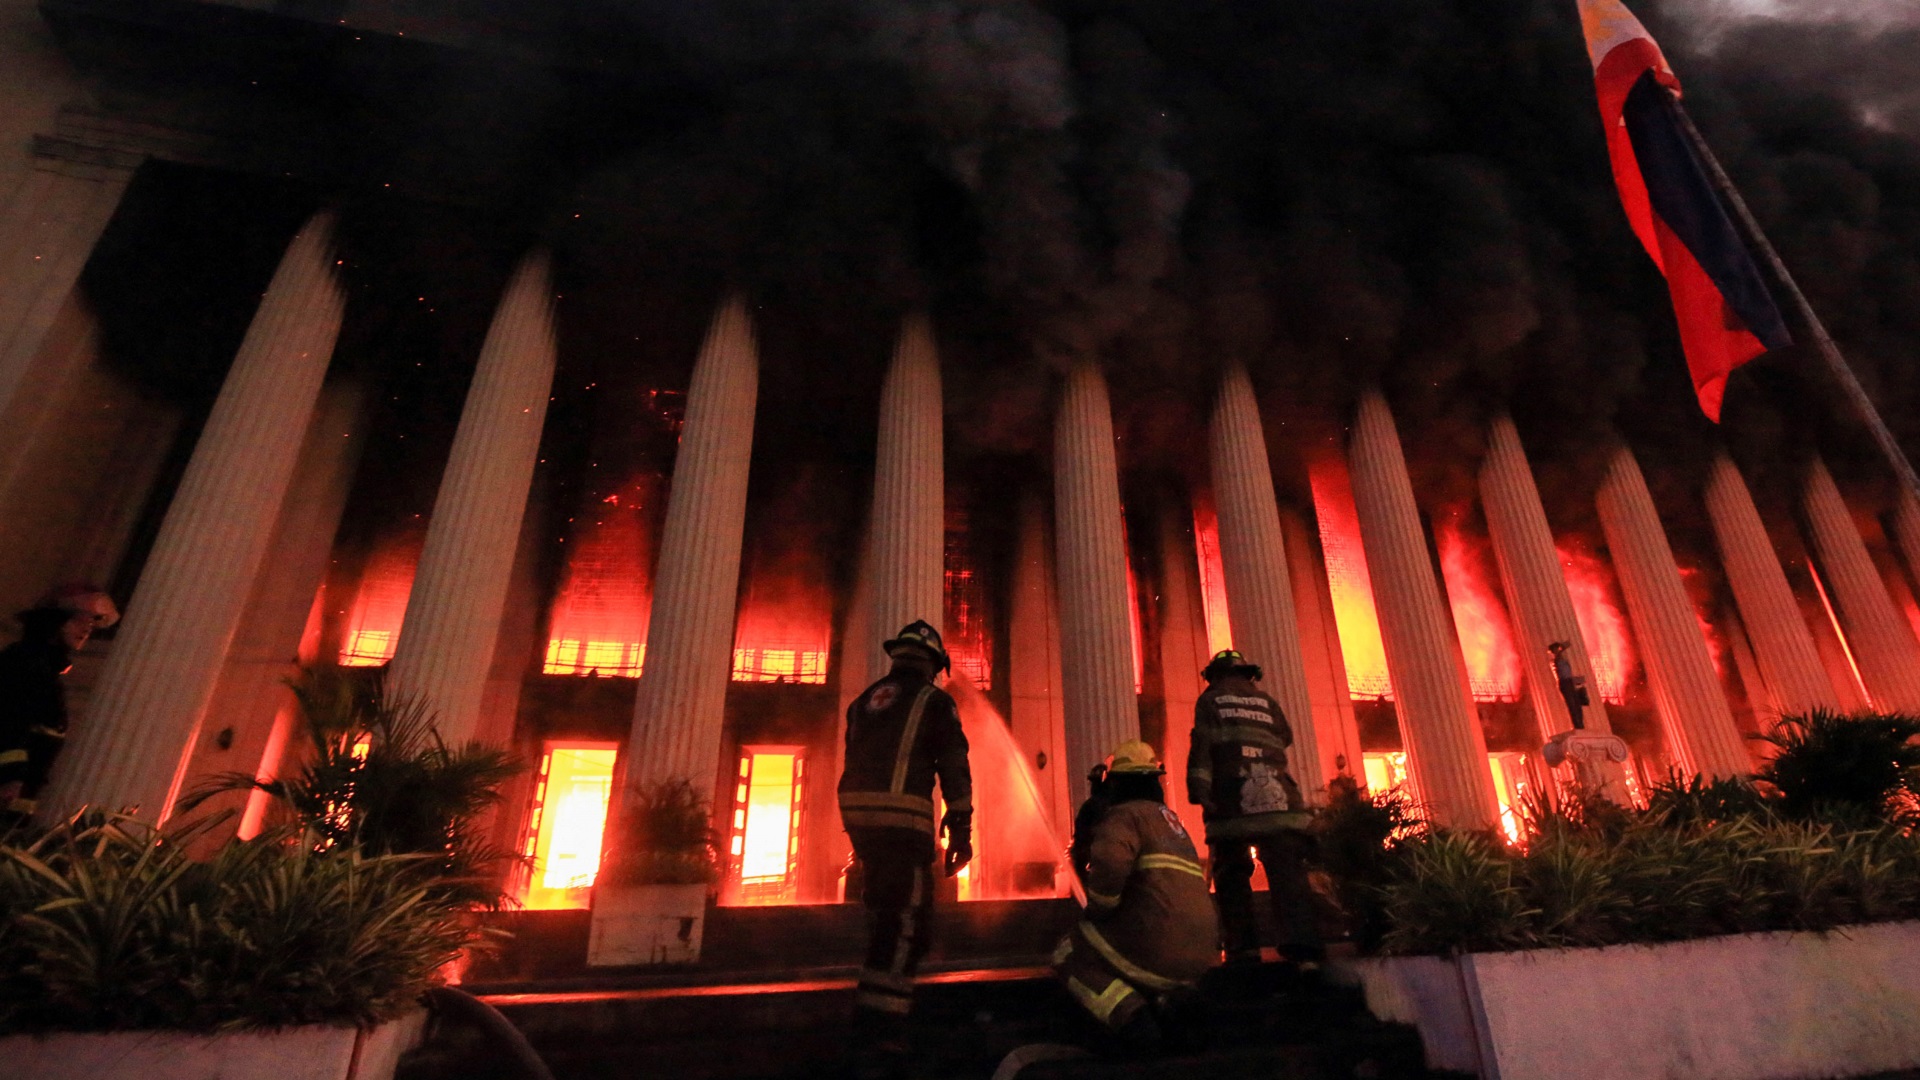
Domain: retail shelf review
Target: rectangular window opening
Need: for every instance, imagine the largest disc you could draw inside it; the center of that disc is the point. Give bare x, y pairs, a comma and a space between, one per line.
763, 850
564, 830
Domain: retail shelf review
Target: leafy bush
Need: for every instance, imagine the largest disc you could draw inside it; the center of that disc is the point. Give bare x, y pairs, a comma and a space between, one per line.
1359, 840
665, 838
378, 777
1849, 768
109, 924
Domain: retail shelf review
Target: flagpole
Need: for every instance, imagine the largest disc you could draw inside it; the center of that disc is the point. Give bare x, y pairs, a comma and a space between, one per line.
1822, 341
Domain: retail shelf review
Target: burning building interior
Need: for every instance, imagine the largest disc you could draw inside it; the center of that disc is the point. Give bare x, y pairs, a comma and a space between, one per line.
617, 375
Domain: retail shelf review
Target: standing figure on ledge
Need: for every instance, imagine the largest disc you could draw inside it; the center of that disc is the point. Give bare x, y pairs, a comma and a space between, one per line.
1149, 931
1573, 688
1237, 774
33, 703
902, 733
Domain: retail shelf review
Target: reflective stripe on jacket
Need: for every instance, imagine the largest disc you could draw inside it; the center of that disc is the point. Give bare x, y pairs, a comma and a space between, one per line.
902, 733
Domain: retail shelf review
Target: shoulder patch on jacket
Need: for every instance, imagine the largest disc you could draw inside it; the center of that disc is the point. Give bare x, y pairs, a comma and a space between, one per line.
883, 697
1173, 821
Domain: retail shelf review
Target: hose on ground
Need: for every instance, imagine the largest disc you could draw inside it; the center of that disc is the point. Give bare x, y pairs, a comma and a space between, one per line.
451, 1001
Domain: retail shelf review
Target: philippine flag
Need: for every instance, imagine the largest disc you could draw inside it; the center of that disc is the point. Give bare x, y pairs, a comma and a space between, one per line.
1726, 315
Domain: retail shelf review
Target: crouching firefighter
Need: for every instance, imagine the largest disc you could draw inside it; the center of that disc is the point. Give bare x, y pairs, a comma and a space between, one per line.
902, 733
1237, 774
1149, 932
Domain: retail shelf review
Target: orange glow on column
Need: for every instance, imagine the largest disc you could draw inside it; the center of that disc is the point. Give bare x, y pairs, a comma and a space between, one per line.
764, 849
1135, 636
569, 817
1347, 579
1512, 787
1699, 593
1479, 618
1602, 625
380, 603
599, 621
1213, 577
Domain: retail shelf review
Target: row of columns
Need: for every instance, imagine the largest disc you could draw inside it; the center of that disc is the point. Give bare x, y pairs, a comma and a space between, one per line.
165, 667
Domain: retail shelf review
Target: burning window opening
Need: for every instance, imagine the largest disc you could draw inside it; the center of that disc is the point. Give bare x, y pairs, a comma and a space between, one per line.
1387, 770
1354, 616
564, 829
1213, 577
780, 665
969, 633
1479, 617
599, 620
764, 846
380, 605
1602, 626
1513, 789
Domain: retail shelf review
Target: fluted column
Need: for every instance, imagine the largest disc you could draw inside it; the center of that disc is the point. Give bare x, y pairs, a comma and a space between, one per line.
460, 586
1906, 529
1096, 640
1530, 574
1882, 642
909, 495
1335, 727
1693, 707
132, 744
47, 231
678, 709
1783, 647
1441, 730
1253, 554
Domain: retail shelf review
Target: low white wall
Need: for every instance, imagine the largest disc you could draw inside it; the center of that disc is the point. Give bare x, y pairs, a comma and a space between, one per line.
302, 1053
1753, 1007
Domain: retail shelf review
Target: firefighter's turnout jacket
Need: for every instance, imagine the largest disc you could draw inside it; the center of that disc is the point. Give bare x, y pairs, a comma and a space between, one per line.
902, 733
33, 716
1150, 925
1237, 770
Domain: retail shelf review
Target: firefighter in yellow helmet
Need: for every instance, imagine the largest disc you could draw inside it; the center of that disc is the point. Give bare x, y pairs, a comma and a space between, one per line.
903, 732
1150, 931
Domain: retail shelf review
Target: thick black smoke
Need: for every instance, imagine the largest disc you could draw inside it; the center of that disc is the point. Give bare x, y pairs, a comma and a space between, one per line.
1412, 193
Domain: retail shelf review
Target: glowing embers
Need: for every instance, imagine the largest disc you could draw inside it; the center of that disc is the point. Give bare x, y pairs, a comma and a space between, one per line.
380, 603
1479, 618
1347, 579
1513, 789
1213, 577
564, 830
764, 846
599, 622
1604, 628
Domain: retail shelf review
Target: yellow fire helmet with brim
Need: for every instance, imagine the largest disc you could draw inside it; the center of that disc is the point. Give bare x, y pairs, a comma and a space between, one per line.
1134, 756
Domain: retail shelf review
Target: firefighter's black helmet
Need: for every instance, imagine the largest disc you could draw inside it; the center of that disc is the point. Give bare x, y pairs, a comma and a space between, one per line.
919, 636
1229, 662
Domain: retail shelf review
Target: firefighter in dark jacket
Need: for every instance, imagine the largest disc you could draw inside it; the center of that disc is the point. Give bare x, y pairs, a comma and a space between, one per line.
1237, 774
902, 733
1150, 930
33, 704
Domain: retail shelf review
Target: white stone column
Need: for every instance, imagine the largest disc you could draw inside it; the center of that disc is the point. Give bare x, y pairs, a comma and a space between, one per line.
132, 744
1438, 722
678, 710
1882, 642
1096, 637
460, 586
1531, 576
1335, 727
1693, 707
909, 496
1906, 530
1254, 557
47, 232
1034, 679
1783, 647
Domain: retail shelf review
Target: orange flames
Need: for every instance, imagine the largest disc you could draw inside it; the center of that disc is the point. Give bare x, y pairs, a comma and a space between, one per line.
599, 621
1602, 626
1486, 637
784, 629
380, 603
1213, 577
1353, 611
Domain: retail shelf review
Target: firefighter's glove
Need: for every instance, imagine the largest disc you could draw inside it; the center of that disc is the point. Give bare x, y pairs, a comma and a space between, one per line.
959, 831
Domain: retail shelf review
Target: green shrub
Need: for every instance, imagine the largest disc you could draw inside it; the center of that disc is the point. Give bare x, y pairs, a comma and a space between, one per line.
1845, 768
1359, 839
111, 925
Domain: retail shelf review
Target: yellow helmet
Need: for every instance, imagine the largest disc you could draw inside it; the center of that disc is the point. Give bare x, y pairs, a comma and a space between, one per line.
1134, 756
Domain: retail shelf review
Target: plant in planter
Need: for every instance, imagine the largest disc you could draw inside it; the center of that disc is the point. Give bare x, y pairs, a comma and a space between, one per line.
1857, 769
108, 925
649, 902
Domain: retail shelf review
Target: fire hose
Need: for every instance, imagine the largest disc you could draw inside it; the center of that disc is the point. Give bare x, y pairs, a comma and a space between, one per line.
454, 1002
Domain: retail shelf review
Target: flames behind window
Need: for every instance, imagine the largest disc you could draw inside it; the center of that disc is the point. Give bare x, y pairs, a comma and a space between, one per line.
380, 602
564, 831
969, 630
599, 623
764, 846
1479, 618
1602, 626
1347, 579
1213, 577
